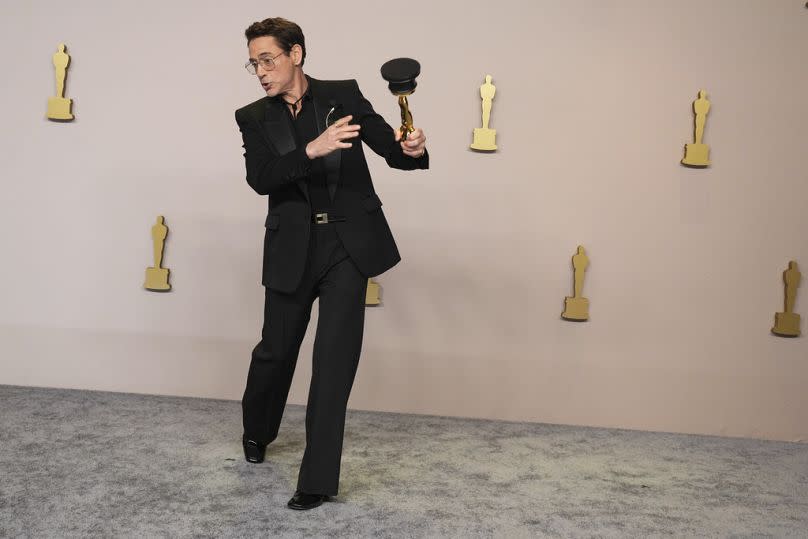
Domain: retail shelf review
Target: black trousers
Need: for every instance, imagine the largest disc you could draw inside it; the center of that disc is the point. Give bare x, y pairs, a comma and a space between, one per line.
331, 275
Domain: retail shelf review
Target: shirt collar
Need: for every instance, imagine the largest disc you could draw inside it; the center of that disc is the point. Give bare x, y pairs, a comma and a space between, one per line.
307, 94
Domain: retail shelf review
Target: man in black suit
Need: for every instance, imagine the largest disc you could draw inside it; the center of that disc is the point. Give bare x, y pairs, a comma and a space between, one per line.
325, 236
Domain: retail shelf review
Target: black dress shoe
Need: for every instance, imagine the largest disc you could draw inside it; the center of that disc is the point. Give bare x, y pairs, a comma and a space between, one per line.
254, 451
301, 500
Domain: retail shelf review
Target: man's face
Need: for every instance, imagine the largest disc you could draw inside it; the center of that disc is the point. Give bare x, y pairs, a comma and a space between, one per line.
278, 80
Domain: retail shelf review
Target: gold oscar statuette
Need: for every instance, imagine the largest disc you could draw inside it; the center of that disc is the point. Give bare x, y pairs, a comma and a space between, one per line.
787, 324
400, 74
157, 276
697, 155
406, 117
372, 293
485, 138
576, 308
59, 107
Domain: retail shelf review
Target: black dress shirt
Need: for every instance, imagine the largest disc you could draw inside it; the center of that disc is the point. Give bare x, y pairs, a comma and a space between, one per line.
305, 130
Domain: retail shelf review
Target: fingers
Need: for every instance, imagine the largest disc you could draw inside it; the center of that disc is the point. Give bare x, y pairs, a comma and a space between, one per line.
415, 139
345, 131
414, 151
343, 121
348, 128
341, 135
415, 145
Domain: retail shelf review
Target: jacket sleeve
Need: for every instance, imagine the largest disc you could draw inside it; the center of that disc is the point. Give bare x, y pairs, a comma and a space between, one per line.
378, 134
267, 171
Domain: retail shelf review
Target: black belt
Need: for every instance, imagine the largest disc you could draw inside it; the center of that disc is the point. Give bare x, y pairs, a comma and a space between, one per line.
325, 218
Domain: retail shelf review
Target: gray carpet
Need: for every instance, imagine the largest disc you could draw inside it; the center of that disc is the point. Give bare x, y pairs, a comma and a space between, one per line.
96, 464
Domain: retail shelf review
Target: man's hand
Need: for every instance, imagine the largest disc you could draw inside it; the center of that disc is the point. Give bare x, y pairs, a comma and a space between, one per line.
415, 145
333, 138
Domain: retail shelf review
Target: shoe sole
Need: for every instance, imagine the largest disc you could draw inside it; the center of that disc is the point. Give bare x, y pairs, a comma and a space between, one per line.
303, 508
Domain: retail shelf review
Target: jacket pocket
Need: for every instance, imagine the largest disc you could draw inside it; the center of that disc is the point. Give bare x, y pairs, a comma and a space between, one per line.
373, 202
272, 222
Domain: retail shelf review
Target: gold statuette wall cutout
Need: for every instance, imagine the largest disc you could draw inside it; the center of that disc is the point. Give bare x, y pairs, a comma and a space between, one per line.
698, 154
787, 324
372, 294
157, 276
485, 138
59, 107
576, 308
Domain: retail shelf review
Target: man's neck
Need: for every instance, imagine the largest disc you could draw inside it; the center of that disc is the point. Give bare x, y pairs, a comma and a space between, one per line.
299, 87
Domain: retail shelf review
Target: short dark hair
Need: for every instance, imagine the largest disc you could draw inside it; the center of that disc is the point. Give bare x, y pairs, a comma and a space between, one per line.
286, 33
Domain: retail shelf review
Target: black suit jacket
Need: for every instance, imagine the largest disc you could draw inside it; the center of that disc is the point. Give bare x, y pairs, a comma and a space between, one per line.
276, 167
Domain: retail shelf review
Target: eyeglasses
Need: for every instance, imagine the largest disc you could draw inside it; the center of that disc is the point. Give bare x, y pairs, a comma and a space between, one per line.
267, 62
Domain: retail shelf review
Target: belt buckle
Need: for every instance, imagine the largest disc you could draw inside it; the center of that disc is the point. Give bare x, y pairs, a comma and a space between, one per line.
321, 218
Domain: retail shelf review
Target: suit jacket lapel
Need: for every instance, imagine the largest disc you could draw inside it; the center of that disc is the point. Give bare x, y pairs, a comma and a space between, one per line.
322, 105
278, 130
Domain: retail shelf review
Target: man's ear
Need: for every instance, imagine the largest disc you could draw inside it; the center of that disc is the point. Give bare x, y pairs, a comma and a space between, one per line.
297, 54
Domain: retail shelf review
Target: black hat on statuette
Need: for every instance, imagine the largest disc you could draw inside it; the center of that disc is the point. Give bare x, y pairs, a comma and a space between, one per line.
400, 73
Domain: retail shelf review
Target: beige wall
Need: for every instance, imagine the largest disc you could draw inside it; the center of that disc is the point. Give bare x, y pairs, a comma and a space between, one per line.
592, 110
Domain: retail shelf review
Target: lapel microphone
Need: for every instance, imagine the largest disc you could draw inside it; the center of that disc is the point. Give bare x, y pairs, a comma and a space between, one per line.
333, 105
